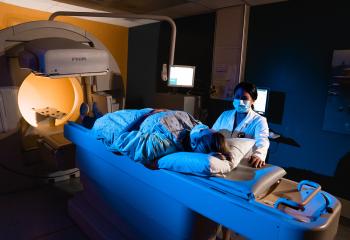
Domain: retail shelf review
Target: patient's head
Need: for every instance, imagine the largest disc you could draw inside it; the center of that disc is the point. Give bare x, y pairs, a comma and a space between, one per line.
211, 142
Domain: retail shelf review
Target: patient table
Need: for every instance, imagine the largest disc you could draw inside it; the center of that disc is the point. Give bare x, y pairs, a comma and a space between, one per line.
123, 199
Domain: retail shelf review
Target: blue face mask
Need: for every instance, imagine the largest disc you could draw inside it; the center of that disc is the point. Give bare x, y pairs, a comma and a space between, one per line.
241, 106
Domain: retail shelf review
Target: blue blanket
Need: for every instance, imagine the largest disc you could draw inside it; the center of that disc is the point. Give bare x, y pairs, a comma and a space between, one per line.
158, 135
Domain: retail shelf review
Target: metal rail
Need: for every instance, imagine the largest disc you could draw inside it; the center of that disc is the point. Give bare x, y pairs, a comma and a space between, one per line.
133, 16
300, 205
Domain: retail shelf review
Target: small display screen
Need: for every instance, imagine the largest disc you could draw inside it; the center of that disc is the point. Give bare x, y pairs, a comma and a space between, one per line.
260, 103
181, 76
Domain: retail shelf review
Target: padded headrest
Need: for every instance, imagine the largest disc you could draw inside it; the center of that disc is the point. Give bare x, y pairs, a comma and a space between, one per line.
245, 181
254, 180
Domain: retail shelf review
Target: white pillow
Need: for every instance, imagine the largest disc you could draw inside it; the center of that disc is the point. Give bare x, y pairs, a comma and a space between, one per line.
195, 163
239, 148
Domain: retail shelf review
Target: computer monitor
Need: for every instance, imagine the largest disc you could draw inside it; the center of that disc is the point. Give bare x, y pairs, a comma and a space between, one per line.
260, 104
181, 76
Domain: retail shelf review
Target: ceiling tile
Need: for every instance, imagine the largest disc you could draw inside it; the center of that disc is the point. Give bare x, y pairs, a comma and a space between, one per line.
187, 9
171, 8
261, 2
219, 3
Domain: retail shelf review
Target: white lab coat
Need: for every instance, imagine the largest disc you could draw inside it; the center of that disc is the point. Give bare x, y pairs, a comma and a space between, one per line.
253, 125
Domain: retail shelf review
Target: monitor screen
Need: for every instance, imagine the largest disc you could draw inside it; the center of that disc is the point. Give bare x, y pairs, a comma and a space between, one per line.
260, 104
181, 76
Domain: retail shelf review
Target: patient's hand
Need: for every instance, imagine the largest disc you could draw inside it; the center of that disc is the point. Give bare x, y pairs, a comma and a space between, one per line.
256, 162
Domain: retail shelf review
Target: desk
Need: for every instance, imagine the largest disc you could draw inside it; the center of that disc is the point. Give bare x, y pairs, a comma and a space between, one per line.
285, 140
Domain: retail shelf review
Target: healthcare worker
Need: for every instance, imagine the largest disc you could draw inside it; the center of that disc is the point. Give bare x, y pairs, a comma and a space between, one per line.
242, 121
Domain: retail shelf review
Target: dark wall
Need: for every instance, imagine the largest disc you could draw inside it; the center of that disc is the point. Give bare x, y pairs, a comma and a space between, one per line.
142, 64
290, 47
149, 49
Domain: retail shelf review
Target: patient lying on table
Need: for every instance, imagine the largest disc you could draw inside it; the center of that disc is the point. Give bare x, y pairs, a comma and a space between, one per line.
148, 134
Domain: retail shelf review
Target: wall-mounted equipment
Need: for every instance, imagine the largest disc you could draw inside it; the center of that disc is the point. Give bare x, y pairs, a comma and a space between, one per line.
337, 109
231, 33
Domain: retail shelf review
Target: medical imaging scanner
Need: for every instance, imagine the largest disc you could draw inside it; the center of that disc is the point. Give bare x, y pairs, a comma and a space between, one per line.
39, 50
35, 51
123, 199
48, 68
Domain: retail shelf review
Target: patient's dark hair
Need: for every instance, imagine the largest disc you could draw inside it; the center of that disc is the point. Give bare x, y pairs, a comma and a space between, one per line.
214, 143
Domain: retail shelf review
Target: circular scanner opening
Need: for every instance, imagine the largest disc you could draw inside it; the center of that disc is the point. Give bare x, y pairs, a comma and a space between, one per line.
44, 100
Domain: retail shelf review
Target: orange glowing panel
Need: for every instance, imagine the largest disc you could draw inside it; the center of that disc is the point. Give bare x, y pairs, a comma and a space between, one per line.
63, 94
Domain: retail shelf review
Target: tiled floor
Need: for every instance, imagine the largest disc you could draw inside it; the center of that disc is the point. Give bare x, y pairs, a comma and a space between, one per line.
39, 213
30, 208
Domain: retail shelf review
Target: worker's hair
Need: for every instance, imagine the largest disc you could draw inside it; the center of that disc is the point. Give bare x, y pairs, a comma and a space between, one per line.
213, 143
248, 87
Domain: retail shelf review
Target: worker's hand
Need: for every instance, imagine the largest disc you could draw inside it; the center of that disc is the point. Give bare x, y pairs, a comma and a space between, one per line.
256, 162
